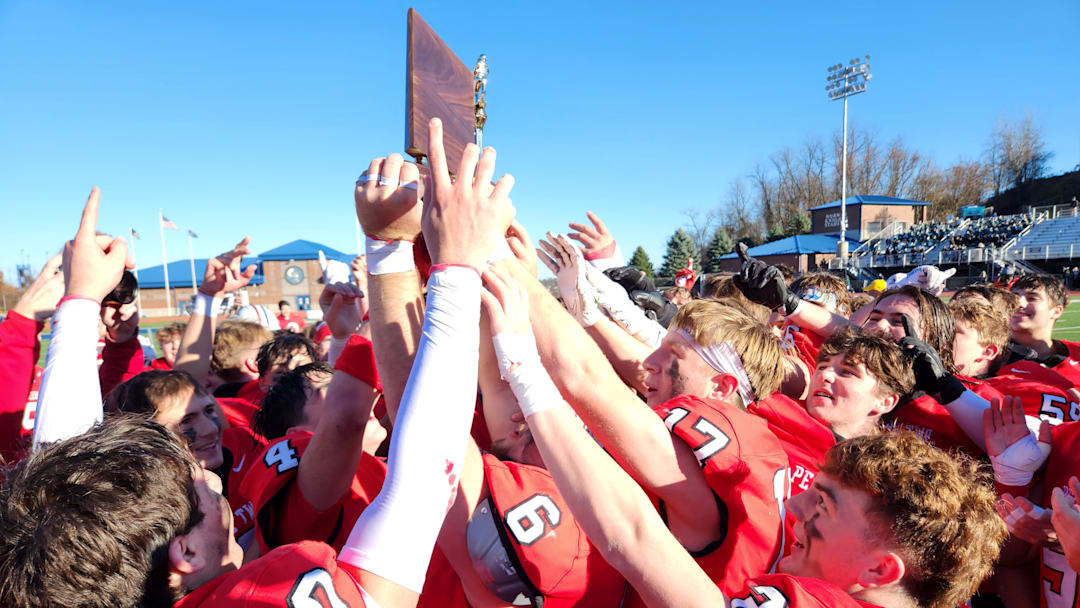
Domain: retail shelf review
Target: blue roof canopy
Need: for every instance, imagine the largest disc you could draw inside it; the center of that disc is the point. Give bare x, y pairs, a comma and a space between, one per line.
872, 199
798, 244
304, 250
153, 277
180, 273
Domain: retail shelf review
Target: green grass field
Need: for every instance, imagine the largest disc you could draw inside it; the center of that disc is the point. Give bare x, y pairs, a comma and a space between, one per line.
146, 327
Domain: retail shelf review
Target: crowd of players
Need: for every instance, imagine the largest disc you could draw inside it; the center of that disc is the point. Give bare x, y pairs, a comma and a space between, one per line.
454, 435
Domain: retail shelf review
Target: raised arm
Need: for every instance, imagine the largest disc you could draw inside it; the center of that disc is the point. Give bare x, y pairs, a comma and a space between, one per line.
628, 429
394, 536
69, 402
612, 509
223, 274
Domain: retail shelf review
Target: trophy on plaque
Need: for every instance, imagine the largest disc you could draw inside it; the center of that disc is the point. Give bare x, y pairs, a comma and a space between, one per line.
438, 84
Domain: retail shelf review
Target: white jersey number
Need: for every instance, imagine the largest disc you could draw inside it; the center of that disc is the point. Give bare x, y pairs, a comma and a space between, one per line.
529, 521
282, 455
1053, 409
762, 597
315, 589
716, 439
1059, 580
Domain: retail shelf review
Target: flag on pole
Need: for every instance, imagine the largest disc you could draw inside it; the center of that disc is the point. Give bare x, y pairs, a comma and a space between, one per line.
136, 234
167, 223
192, 234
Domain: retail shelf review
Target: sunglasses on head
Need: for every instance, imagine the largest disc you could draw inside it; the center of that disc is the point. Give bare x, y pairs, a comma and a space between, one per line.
125, 292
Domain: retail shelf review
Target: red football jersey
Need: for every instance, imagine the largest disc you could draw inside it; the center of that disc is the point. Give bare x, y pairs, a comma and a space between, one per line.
1070, 367
802, 343
301, 574
1042, 391
784, 591
252, 392
931, 421
745, 465
805, 439
545, 540
31, 403
269, 498
1059, 581
240, 447
239, 412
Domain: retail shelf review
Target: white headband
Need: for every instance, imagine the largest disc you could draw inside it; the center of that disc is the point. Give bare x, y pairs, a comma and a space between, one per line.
722, 358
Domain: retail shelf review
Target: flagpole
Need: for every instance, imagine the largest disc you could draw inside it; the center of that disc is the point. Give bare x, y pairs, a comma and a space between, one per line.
191, 256
165, 264
131, 233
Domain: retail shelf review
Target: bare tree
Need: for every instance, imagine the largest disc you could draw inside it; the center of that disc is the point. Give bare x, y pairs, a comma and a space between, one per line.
701, 225
1017, 154
740, 218
901, 167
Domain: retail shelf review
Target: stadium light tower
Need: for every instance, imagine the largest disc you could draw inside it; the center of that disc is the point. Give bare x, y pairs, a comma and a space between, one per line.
843, 81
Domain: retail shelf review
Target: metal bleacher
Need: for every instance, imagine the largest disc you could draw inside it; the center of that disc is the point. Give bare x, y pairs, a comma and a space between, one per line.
1050, 239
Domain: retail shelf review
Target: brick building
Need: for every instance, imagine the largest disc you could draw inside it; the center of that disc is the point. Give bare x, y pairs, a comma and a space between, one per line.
290, 272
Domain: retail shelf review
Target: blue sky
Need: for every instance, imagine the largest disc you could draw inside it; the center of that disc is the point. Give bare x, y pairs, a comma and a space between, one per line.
255, 118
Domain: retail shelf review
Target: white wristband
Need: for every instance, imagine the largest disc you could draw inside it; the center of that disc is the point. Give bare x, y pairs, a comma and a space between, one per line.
204, 305
389, 257
520, 366
1018, 463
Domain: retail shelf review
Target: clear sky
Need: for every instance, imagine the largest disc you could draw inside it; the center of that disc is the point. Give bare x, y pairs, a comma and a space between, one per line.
244, 117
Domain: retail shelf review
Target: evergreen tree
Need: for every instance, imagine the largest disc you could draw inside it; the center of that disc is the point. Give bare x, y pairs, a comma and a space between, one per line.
641, 261
797, 223
776, 232
720, 245
680, 247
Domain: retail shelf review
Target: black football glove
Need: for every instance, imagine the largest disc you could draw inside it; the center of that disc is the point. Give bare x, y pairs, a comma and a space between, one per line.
763, 284
931, 377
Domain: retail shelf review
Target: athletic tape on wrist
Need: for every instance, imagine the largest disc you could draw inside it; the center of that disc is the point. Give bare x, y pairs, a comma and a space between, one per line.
1017, 464
204, 305
521, 368
722, 358
388, 257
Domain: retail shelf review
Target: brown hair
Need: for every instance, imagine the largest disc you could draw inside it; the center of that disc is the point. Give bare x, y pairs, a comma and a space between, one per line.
936, 509
881, 357
673, 292
827, 283
988, 322
170, 332
938, 326
1004, 302
231, 340
146, 393
281, 347
88, 521
858, 300
1055, 289
711, 322
283, 406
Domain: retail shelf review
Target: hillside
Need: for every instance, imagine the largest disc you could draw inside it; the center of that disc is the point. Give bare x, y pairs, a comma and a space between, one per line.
1053, 190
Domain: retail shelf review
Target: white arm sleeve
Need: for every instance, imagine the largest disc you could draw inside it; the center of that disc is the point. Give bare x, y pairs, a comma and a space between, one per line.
613, 298
69, 402
395, 535
967, 410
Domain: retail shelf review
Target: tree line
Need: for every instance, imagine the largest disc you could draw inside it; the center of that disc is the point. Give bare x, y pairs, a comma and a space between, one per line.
772, 201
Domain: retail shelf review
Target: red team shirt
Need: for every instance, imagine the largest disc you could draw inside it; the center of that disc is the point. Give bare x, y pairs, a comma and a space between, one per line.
1070, 367
930, 420
805, 439
802, 344
1059, 581
300, 575
747, 469
1042, 390
784, 591
544, 540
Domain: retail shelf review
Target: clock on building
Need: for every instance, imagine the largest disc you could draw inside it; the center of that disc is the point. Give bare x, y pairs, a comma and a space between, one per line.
294, 275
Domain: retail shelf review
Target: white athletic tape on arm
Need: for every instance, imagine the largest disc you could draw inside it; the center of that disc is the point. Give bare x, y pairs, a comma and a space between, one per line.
389, 257
69, 402
1018, 463
522, 369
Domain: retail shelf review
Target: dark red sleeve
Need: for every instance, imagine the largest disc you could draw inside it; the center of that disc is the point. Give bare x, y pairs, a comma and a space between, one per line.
18, 344
120, 362
358, 360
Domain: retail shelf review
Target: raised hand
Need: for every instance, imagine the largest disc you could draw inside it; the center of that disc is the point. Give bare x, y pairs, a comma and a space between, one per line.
763, 284
521, 246
386, 198
1004, 425
1066, 520
464, 217
596, 241
566, 261
39, 301
223, 272
339, 275
506, 302
93, 264
340, 311
121, 321
1026, 520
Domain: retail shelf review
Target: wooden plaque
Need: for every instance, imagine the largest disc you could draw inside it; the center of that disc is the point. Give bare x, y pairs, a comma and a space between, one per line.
437, 84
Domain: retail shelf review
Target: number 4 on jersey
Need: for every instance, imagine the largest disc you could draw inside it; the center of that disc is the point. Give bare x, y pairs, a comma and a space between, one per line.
282, 455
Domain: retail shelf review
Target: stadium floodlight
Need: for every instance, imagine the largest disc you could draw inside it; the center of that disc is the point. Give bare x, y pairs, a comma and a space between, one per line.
843, 82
